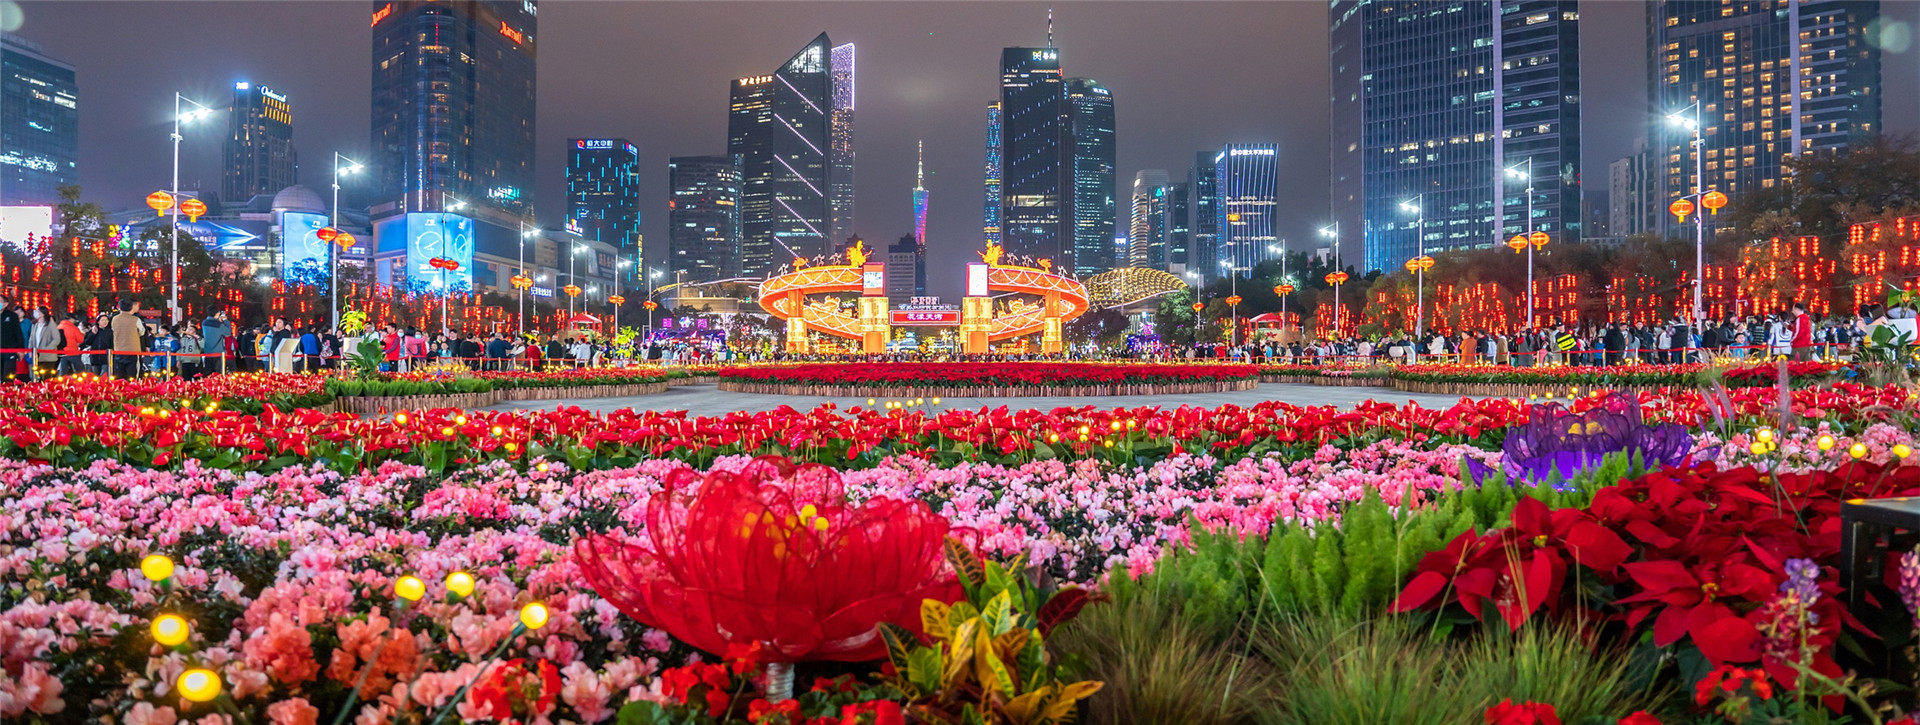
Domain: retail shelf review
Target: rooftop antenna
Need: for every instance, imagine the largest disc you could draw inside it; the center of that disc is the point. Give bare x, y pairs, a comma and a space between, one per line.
1049, 27
920, 174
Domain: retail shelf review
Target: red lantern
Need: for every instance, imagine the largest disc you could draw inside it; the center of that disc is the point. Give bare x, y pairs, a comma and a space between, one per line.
1198, 306
1713, 201
193, 208
650, 305
571, 290
1233, 301
1285, 289
345, 240
327, 234
160, 202
616, 300
1518, 243
520, 281
1539, 239
1336, 277
1680, 208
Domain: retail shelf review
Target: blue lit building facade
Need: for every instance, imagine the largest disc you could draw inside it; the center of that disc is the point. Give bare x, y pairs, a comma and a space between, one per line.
1036, 156
840, 155
1435, 100
749, 119
1247, 178
793, 134
1179, 223
703, 217
453, 105
39, 124
603, 190
990, 229
259, 148
1094, 212
1203, 179
1147, 230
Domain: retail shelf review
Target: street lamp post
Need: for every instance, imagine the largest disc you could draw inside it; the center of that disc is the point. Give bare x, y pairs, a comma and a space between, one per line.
1333, 233
333, 253
521, 266
573, 278
200, 111
1699, 190
622, 264
1233, 290
1514, 173
1418, 206
652, 274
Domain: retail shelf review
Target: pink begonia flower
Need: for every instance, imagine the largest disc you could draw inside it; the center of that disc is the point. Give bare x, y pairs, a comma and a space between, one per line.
146, 714
35, 691
283, 649
586, 692
296, 711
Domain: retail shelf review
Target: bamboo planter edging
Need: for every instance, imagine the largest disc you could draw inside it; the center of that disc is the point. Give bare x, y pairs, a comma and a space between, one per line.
987, 391
1511, 390
377, 404
1327, 380
591, 391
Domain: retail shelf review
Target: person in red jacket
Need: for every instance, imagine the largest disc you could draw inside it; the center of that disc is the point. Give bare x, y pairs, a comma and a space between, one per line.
1802, 333
69, 345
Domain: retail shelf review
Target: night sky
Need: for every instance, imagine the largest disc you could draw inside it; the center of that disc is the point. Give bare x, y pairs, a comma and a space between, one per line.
1186, 76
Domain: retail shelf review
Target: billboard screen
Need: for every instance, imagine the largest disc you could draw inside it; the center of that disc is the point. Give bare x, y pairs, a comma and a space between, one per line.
303, 256
437, 234
18, 222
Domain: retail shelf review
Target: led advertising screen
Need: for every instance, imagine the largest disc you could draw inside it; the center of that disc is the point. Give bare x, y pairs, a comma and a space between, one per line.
19, 222
303, 256
432, 235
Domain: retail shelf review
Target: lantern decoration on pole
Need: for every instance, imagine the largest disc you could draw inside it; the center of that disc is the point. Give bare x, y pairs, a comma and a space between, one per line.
1233, 301
444, 263
160, 202
193, 208
1680, 208
1539, 239
520, 281
1713, 200
1283, 289
327, 234
571, 290
616, 300
1198, 306
1335, 278
650, 305
1518, 243
345, 240
1426, 262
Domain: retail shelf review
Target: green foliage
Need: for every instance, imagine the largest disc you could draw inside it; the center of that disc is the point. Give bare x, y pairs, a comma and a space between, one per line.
1336, 669
366, 358
986, 660
401, 387
1163, 663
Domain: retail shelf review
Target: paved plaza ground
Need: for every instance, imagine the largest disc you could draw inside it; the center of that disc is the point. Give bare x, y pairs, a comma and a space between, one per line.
709, 400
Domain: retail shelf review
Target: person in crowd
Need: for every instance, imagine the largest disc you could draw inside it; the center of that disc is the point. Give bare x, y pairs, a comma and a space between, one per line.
393, 346
214, 332
190, 363
12, 339
498, 351
44, 336
163, 345
309, 351
72, 340
1802, 332
126, 339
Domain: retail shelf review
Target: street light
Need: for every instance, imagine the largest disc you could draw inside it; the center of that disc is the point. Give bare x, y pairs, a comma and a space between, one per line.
1513, 172
200, 111
573, 279
520, 281
333, 256
618, 299
1699, 189
1333, 233
1417, 206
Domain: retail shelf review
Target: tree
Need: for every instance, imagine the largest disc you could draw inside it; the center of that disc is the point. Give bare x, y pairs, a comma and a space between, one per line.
1825, 192
1104, 327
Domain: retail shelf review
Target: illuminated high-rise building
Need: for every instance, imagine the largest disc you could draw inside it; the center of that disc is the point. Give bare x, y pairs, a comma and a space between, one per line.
703, 216
793, 133
603, 190
1093, 210
39, 124
453, 105
1436, 99
1247, 178
1036, 154
259, 147
1202, 178
840, 185
1147, 235
1776, 78
991, 228
1179, 226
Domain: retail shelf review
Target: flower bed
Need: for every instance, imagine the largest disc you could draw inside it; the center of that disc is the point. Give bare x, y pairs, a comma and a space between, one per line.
987, 379
1512, 381
246, 392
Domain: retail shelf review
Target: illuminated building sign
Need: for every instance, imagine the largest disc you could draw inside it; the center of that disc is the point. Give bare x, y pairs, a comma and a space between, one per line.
504, 193
1044, 55
755, 80
382, 13
540, 291
1251, 152
426, 236
593, 143
515, 35
268, 92
910, 318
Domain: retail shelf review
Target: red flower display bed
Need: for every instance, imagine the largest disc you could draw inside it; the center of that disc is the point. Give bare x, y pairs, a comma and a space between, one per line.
988, 380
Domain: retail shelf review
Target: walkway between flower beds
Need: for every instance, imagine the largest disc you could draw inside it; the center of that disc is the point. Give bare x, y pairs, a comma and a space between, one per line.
707, 399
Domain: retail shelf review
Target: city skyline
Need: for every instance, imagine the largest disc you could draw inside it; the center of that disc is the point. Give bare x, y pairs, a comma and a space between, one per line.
918, 84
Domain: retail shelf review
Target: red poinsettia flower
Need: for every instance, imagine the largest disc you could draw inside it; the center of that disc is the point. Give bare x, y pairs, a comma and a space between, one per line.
509, 691
774, 555
1526, 713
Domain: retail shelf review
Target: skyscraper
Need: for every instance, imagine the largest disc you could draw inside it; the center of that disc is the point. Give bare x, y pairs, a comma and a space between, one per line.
259, 149
793, 132
603, 190
920, 196
1035, 156
1437, 99
906, 276
841, 186
39, 124
1203, 177
1775, 77
1179, 227
749, 119
1092, 170
991, 228
1248, 182
1147, 234
703, 216
453, 111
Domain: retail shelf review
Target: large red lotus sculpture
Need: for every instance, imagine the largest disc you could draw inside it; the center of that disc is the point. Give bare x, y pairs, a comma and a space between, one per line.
776, 555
